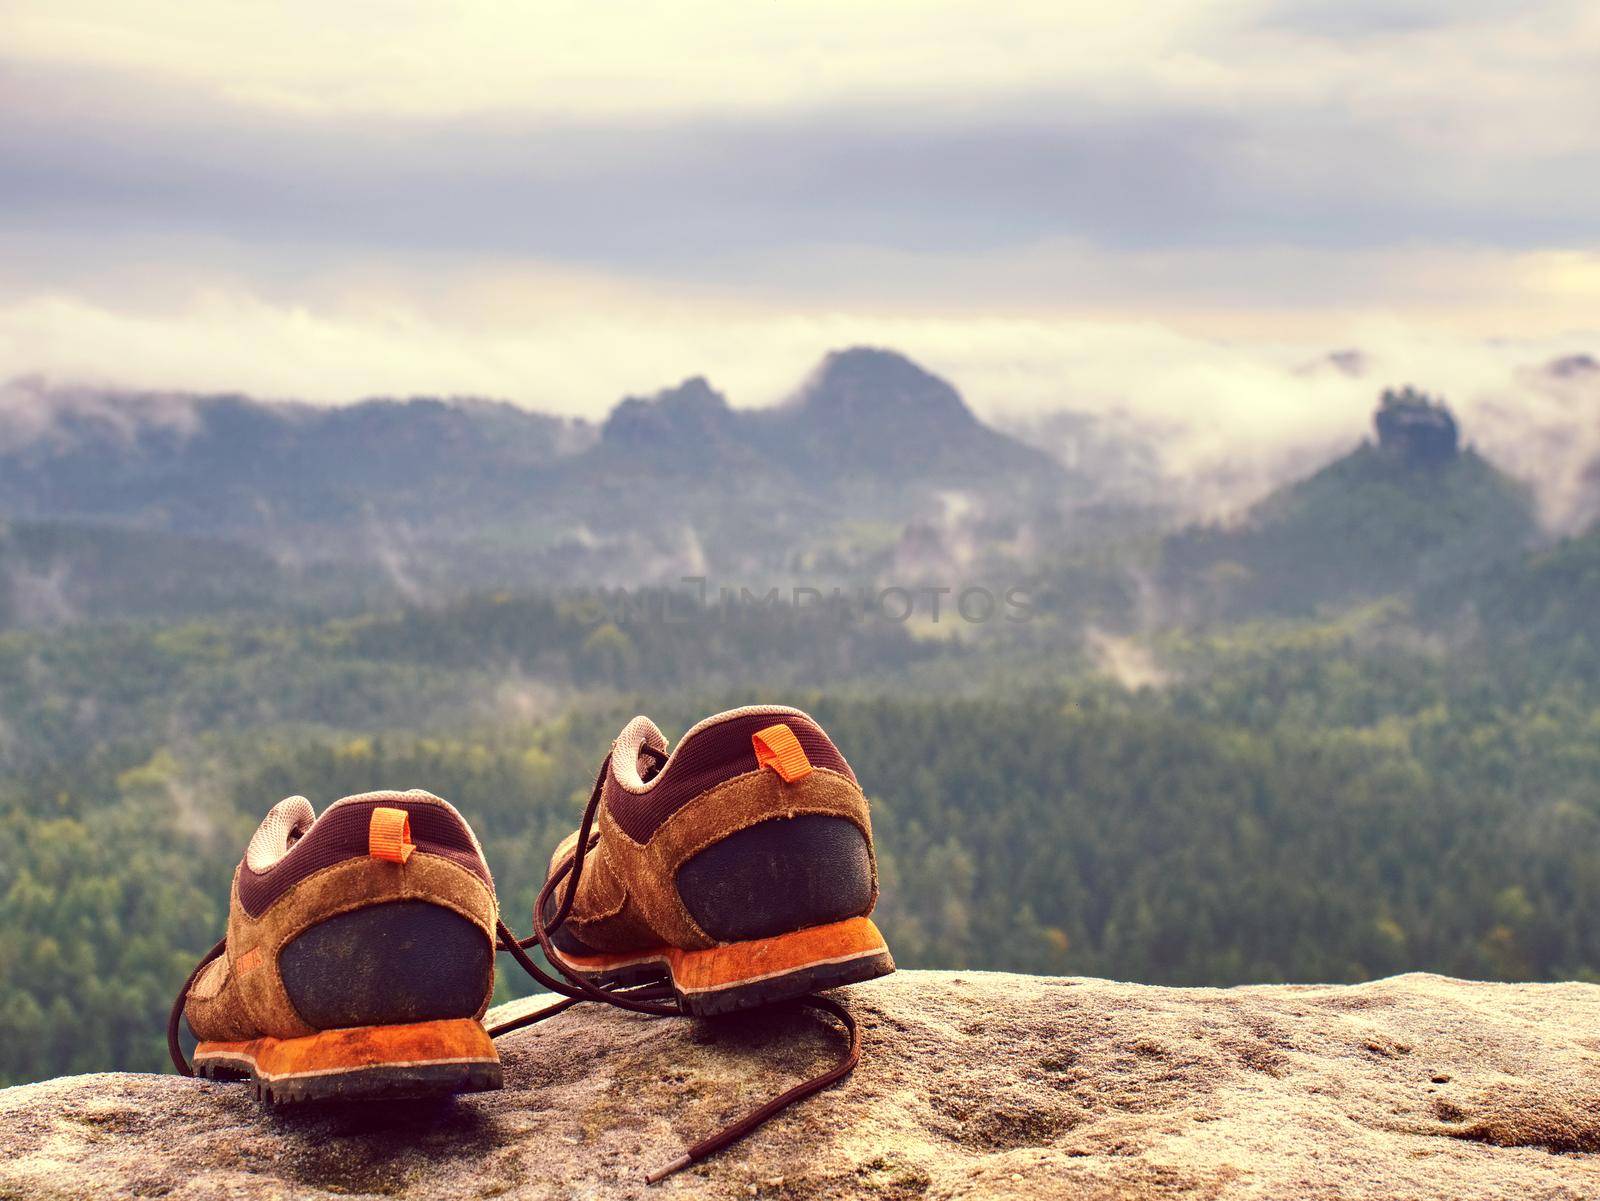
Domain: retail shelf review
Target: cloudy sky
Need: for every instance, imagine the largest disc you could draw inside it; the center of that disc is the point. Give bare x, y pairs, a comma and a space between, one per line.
1170, 205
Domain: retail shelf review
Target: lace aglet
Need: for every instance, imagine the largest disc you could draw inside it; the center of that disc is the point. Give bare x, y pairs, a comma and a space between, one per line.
660, 1174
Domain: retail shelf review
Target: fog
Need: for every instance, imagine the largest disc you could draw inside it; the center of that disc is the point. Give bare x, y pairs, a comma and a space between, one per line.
1200, 424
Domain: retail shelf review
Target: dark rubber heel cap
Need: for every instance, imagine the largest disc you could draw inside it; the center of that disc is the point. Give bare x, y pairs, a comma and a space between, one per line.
387, 964
778, 876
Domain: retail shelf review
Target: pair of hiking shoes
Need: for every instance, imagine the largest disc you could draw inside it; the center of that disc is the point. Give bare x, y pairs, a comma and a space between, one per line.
733, 871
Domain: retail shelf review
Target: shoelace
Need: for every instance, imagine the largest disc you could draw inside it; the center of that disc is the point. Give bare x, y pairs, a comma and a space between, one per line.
655, 999
576, 989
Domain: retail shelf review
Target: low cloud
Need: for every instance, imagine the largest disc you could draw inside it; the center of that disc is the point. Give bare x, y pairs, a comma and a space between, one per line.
1226, 418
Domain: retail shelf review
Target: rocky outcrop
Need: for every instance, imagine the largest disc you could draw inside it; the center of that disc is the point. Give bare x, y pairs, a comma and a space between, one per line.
863, 413
1418, 429
690, 422
973, 1085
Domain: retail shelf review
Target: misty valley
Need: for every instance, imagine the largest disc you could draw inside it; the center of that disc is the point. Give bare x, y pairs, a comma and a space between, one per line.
1343, 726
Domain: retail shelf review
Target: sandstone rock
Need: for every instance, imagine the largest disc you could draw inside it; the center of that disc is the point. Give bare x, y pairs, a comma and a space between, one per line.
1420, 430
973, 1085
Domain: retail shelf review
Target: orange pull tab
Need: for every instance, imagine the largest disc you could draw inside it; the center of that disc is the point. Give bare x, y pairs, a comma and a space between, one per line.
389, 835
778, 748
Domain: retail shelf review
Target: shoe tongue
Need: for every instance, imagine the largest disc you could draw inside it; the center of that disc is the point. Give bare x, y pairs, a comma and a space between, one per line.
632, 766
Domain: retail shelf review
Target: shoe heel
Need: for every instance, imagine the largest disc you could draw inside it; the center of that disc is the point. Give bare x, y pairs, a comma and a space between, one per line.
420, 1059
741, 975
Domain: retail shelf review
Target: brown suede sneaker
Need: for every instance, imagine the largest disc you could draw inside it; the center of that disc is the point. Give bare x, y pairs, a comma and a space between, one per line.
359, 958
738, 868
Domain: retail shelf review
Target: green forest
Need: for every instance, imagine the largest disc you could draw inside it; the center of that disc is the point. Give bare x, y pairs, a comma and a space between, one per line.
1331, 800
1360, 735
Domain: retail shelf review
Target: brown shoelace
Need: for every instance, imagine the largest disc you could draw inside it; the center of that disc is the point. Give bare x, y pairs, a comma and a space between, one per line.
655, 999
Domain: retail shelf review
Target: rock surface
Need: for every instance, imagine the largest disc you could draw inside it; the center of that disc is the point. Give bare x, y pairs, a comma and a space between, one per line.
972, 1085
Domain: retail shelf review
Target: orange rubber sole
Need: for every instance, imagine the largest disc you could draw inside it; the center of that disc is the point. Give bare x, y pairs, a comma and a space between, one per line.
742, 975
421, 1059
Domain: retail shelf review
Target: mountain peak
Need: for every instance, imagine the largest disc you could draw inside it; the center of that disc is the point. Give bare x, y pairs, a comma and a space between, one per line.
869, 381
1350, 362
1573, 366
870, 411
693, 413
1417, 428
1408, 513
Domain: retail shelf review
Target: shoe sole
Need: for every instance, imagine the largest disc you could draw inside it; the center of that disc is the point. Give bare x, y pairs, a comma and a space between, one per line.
743, 975
363, 1063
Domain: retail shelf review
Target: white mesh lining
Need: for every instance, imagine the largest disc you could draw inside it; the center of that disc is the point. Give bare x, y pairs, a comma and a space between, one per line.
641, 731
636, 735
270, 842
